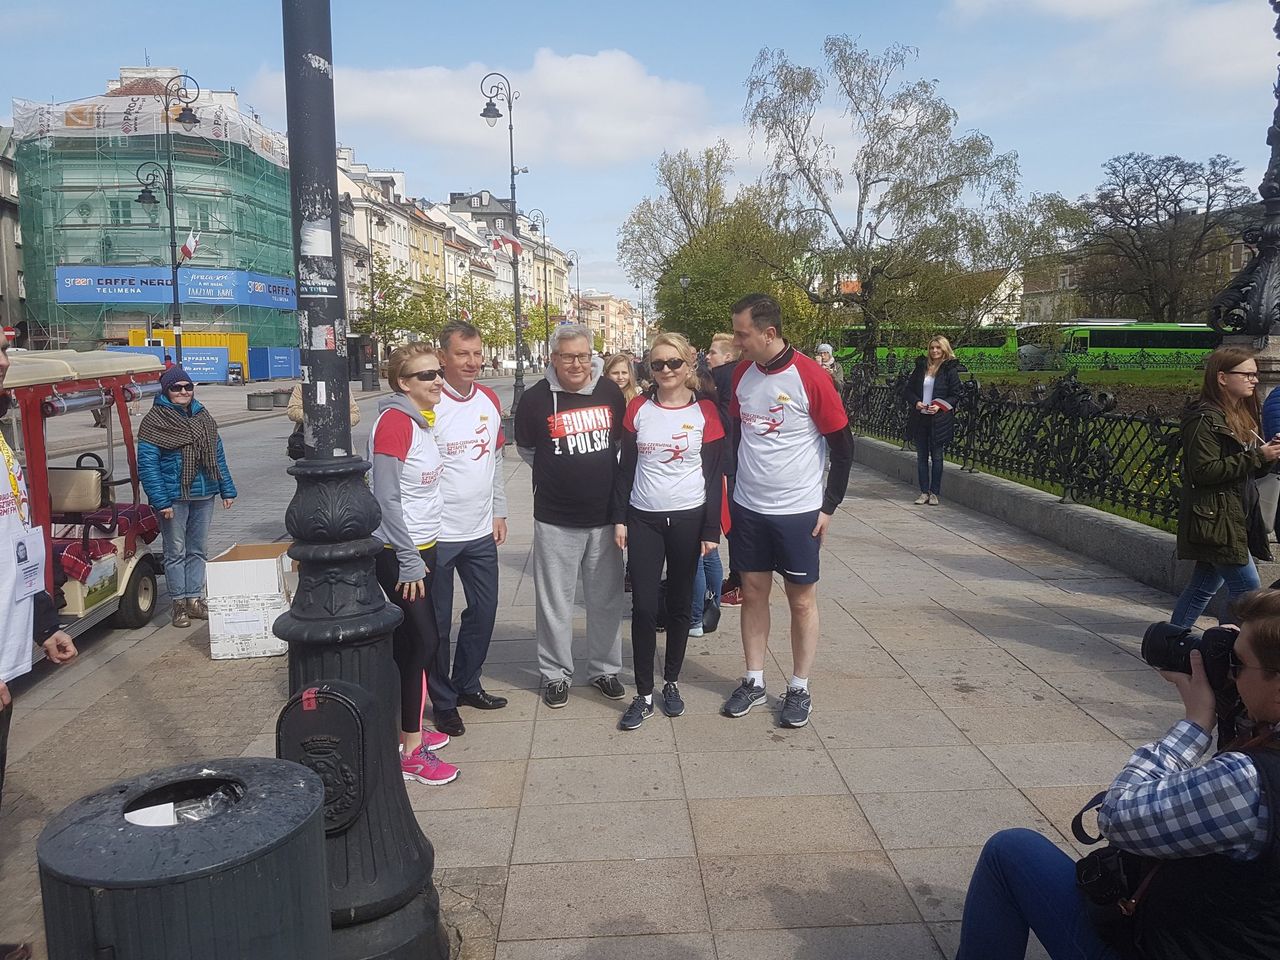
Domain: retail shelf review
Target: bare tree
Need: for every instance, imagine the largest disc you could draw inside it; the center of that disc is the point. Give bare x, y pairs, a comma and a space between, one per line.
910, 191
1157, 225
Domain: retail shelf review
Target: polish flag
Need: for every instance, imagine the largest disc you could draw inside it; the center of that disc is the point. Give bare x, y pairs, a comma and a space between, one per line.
189, 248
465, 314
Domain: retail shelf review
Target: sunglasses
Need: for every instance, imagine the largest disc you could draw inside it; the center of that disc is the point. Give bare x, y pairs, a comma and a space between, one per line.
423, 376
183, 388
1235, 665
675, 364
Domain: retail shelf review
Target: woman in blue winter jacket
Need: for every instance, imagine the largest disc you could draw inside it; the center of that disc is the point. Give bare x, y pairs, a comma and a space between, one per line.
183, 470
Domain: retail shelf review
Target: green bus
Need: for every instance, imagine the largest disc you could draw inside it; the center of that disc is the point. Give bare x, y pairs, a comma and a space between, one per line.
1125, 345
1086, 344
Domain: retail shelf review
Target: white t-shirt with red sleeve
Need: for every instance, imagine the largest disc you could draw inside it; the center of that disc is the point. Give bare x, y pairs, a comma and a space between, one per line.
669, 444
468, 430
396, 435
781, 453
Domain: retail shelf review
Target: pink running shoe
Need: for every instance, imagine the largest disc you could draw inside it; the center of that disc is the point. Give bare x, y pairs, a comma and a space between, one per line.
434, 739
424, 766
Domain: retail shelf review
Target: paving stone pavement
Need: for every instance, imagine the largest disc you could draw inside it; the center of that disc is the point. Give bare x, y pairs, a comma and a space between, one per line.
970, 677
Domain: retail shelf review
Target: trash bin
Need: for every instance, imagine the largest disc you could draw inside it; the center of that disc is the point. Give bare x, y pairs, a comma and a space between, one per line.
261, 401
233, 867
368, 380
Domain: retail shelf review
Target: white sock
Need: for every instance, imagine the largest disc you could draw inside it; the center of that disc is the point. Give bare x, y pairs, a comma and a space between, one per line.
756, 677
649, 699
801, 682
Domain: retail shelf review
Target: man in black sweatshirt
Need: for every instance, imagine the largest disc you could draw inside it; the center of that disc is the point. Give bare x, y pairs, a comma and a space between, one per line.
569, 429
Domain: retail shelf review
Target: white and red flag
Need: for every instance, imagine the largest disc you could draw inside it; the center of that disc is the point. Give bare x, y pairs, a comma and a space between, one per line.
189, 248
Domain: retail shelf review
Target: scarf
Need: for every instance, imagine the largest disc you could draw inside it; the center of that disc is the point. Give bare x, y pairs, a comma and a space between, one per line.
195, 435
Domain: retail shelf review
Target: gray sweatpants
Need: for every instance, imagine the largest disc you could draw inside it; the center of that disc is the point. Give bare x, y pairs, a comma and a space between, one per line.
559, 555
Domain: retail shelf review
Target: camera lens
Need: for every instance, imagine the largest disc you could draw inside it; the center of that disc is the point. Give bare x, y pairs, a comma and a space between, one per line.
1167, 647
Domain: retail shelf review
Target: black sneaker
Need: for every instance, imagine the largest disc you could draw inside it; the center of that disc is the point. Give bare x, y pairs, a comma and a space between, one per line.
796, 707
639, 711
672, 702
743, 699
609, 686
556, 694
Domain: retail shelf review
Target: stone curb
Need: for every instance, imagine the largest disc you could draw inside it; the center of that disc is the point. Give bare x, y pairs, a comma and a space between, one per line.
1144, 553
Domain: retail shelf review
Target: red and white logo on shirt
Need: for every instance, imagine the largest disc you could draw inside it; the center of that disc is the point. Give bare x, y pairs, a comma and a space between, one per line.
784, 414
669, 444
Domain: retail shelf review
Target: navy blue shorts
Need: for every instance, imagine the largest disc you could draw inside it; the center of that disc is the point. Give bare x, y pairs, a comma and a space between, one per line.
763, 543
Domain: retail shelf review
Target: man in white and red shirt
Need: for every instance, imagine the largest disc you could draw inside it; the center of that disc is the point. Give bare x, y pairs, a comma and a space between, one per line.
468, 432
789, 417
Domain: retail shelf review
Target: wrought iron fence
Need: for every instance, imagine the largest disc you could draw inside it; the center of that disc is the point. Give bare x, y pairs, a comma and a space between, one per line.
1064, 439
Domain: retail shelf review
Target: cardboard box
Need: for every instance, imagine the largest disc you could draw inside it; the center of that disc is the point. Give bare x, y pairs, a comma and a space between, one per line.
246, 588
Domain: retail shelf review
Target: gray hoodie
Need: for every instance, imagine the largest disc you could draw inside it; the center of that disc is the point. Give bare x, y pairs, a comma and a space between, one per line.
386, 490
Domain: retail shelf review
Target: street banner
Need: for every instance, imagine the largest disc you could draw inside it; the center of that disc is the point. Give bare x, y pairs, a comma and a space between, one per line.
137, 284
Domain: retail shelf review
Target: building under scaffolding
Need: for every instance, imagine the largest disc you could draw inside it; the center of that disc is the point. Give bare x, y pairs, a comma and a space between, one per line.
97, 260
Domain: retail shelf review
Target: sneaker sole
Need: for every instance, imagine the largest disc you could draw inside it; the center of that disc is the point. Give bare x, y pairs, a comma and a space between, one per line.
413, 778
556, 706
667, 710
796, 726
609, 696
753, 703
623, 726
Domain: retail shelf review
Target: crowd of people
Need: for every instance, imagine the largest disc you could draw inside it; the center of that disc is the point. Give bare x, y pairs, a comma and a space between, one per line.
639, 468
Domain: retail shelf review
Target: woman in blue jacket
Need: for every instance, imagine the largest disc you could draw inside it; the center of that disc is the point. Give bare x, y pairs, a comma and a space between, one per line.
183, 470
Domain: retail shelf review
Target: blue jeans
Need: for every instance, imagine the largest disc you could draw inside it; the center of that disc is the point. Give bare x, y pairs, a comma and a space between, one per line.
1206, 579
184, 547
707, 575
476, 562
928, 448
1022, 884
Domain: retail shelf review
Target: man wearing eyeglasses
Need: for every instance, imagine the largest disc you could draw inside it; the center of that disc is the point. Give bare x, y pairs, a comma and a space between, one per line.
569, 429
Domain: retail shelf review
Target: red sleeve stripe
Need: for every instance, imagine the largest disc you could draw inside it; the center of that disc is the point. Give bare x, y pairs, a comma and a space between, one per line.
825, 407
633, 410
393, 435
497, 406
711, 427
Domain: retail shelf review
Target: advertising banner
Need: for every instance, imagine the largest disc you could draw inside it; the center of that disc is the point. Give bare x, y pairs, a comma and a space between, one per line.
203, 364
137, 284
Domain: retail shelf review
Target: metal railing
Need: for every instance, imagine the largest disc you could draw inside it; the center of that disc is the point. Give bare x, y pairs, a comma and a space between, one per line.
1064, 439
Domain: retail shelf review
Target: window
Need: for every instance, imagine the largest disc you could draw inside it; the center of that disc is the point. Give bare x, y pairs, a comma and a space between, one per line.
22, 286
499, 224
17, 233
199, 215
475, 202
121, 211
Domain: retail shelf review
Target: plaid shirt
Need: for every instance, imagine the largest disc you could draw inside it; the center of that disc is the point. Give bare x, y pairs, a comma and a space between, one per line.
1163, 805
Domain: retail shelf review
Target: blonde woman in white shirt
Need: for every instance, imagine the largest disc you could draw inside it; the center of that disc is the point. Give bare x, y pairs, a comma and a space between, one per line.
672, 444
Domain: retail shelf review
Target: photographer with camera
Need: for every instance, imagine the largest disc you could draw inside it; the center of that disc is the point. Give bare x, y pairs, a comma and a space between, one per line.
1193, 872
1222, 454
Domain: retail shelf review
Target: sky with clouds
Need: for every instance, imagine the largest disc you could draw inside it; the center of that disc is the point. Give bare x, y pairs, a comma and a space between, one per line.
604, 90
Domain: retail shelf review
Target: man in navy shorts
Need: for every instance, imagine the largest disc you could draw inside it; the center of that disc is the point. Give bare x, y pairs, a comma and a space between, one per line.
790, 416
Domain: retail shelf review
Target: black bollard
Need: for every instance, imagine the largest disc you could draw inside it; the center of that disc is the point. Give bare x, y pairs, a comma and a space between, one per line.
341, 721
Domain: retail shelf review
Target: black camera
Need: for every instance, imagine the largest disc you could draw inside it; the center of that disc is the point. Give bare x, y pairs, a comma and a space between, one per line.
1167, 647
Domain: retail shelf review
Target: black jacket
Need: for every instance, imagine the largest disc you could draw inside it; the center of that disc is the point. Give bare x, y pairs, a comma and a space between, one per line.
572, 441
723, 377
946, 386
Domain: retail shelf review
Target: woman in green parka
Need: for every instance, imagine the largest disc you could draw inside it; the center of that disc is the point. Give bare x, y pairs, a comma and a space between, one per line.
1221, 456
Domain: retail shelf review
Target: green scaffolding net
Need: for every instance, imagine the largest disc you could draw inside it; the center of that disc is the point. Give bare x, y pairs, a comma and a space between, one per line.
87, 239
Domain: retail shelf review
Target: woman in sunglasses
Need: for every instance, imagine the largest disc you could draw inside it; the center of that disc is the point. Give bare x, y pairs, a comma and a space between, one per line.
184, 471
672, 444
407, 467
1222, 453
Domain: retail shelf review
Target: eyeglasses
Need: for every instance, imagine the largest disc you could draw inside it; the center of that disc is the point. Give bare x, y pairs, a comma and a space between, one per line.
1235, 665
579, 358
1250, 374
182, 388
422, 376
675, 364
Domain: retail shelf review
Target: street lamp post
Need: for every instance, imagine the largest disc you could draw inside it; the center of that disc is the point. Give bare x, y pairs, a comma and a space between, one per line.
371, 382
575, 264
341, 719
684, 302
184, 90
538, 219
495, 86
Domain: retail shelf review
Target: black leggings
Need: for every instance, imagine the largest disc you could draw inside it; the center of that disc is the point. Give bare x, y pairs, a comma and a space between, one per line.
651, 538
415, 641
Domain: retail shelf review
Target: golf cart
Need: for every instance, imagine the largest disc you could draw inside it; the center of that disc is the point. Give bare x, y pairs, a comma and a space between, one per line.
96, 529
